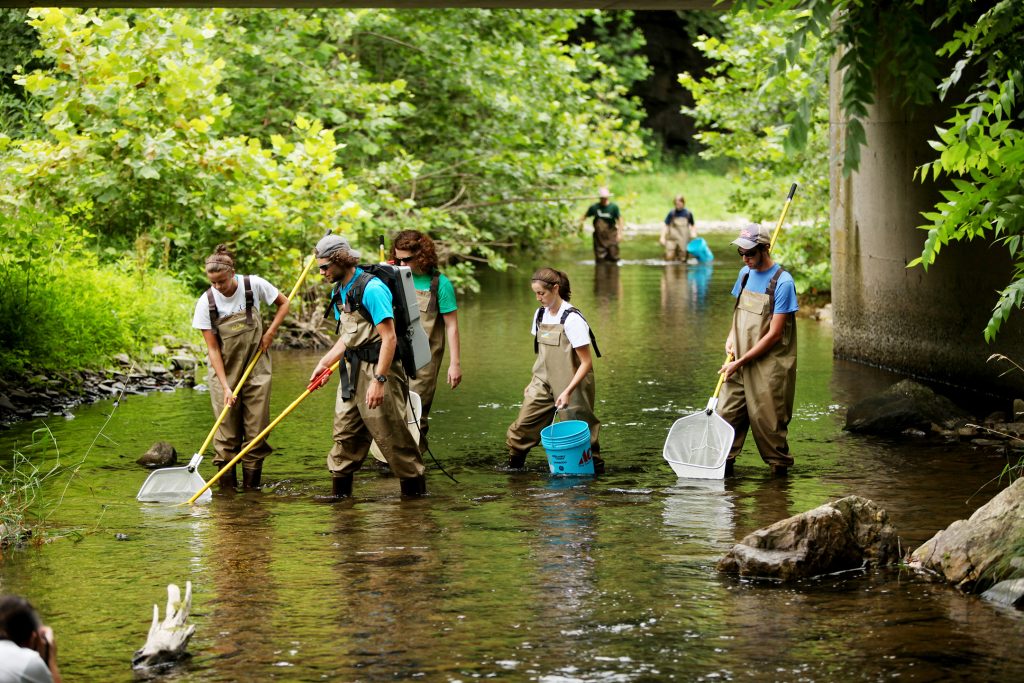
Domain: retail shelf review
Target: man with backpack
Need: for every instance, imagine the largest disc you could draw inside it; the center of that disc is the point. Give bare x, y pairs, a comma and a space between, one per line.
374, 388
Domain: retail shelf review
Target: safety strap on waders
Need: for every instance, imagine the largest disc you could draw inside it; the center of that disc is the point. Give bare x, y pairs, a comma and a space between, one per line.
368, 353
565, 314
249, 301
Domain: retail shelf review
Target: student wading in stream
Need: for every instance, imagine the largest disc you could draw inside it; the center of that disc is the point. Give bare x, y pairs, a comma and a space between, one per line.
438, 314
228, 315
373, 390
563, 374
760, 381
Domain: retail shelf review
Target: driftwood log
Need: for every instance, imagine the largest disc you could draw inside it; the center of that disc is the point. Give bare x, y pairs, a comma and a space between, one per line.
168, 638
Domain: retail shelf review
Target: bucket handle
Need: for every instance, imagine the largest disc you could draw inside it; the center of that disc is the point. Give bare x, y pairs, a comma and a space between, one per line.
553, 417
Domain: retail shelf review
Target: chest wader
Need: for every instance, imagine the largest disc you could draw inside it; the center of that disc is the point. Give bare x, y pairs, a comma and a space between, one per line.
553, 370
239, 336
425, 381
676, 239
356, 425
760, 395
606, 240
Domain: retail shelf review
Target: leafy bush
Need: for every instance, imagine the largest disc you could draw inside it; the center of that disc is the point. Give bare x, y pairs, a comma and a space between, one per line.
61, 309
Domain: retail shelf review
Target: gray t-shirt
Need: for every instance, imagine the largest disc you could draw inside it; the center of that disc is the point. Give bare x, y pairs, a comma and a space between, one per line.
22, 665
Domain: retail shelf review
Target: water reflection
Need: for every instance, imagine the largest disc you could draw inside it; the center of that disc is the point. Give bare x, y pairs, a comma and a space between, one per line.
607, 284
699, 514
698, 279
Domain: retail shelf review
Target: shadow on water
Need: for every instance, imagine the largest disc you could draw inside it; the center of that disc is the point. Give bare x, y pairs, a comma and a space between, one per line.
517, 575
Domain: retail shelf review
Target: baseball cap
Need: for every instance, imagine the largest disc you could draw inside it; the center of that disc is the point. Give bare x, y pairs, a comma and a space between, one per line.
603, 192
332, 243
752, 235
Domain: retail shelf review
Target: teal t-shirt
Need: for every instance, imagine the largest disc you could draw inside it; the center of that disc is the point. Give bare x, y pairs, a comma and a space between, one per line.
376, 298
445, 291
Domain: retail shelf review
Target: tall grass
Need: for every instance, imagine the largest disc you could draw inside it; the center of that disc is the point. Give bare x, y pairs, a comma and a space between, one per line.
61, 308
646, 196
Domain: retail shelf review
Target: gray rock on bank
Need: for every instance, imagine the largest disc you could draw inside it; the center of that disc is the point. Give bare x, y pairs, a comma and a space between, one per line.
849, 533
970, 552
904, 406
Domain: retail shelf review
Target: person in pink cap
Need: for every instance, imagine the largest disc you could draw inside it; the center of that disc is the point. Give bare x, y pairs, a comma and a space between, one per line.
608, 226
760, 375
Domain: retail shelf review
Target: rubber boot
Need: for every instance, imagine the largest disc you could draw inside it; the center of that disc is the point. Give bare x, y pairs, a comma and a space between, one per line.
229, 480
779, 471
730, 467
341, 487
251, 476
598, 461
414, 487
516, 460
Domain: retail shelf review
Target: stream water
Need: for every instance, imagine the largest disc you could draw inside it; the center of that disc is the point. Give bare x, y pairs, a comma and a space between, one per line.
515, 576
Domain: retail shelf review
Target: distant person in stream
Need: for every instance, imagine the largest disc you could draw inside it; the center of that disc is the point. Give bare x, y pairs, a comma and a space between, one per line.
563, 374
438, 314
608, 226
760, 375
679, 229
228, 315
28, 648
373, 390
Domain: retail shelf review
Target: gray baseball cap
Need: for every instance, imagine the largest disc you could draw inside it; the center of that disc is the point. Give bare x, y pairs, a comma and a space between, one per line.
329, 244
752, 235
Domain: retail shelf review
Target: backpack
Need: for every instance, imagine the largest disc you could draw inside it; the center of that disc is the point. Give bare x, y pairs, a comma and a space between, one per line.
413, 348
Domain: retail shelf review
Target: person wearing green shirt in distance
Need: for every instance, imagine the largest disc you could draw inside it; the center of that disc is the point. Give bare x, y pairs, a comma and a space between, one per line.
438, 315
608, 226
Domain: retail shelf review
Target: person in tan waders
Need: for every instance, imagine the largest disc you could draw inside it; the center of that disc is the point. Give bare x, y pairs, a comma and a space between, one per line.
761, 378
679, 229
438, 314
373, 390
563, 374
228, 315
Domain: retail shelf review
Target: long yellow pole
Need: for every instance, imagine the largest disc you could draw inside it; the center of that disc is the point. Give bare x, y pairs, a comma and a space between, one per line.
252, 364
315, 384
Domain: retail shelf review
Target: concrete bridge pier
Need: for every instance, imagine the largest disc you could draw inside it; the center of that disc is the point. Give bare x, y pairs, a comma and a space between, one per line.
927, 324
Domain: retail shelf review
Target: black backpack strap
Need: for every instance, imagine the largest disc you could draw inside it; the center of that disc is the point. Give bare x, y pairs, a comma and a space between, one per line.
770, 290
743, 285
370, 353
334, 301
214, 316
536, 329
248, 300
593, 339
434, 305
355, 296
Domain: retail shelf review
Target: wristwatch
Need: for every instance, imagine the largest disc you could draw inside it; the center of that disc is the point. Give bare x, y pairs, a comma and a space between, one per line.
381, 378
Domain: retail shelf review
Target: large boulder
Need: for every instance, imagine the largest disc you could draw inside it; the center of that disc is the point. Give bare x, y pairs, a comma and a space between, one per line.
849, 533
971, 554
905, 405
160, 454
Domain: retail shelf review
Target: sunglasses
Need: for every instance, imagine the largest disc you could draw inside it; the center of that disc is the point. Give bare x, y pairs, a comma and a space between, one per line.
747, 252
323, 267
404, 259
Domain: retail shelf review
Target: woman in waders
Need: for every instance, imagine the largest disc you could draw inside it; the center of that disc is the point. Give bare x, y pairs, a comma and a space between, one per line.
228, 315
563, 374
438, 315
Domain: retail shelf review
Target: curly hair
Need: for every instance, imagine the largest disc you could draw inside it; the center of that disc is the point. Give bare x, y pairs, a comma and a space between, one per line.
550, 277
343, 259
424, 254
220, 260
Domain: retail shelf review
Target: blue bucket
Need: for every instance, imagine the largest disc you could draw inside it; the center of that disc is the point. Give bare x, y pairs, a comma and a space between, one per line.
568, 447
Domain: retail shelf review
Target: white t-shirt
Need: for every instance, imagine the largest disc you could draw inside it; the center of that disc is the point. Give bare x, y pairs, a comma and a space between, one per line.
577, 331
262, 291
21, 665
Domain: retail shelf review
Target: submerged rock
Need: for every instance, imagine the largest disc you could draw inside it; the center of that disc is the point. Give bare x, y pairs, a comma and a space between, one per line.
849, 533
969, 553
160, 454
904, 406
